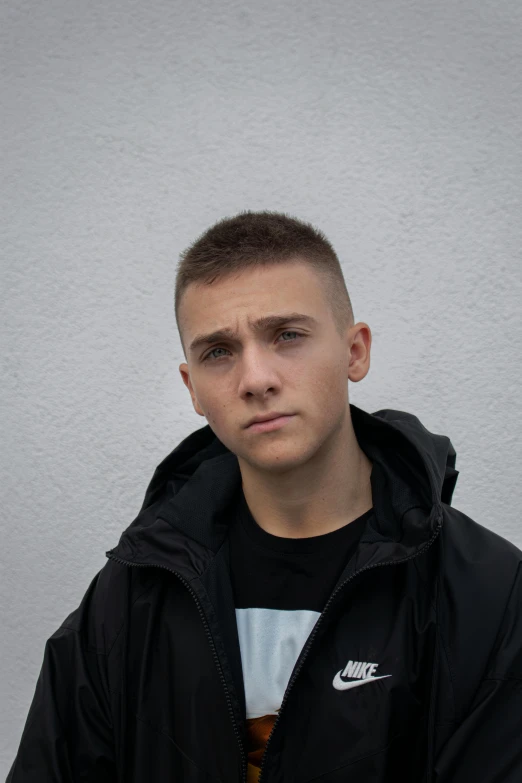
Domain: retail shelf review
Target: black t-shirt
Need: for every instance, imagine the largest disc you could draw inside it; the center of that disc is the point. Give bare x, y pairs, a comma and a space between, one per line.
281, 586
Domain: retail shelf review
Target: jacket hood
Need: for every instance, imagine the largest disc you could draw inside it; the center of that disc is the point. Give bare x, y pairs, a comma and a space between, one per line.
190, 499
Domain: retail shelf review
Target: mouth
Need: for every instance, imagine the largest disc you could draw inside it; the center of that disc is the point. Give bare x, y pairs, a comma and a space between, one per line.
270, 424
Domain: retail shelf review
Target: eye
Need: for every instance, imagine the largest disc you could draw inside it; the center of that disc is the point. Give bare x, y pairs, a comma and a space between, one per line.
211, 358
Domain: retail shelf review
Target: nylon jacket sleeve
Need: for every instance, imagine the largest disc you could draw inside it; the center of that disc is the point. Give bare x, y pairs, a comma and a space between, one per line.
68, 733
487, 744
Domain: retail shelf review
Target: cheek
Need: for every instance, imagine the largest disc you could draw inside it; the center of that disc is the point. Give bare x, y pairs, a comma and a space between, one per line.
325, 380
216, 411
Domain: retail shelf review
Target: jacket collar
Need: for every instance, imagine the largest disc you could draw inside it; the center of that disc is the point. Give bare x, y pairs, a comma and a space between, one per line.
189, 501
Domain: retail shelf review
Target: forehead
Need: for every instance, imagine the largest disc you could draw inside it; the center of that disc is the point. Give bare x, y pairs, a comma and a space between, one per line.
282, 285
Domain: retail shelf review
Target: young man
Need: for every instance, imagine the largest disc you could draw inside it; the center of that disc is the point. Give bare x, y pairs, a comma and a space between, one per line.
295, 601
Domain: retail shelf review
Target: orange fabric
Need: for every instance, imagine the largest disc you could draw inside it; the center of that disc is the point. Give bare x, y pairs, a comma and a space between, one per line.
258, 731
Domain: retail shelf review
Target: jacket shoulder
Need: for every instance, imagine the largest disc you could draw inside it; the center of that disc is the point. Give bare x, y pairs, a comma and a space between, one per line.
478, 569
476, 550
101, 614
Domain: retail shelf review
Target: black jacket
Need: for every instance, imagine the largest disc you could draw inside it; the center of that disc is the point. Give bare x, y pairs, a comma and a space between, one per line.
142, 682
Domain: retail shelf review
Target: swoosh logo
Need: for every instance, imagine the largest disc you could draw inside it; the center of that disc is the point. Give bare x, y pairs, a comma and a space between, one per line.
341, 685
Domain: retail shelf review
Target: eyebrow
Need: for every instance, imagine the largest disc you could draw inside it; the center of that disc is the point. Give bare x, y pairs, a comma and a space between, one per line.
266, 322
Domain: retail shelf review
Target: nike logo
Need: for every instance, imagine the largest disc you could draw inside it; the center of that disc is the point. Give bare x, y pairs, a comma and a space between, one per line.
361, 672
342, 685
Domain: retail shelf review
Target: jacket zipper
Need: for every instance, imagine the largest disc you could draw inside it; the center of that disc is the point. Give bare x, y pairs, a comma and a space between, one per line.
314, 630
216, 658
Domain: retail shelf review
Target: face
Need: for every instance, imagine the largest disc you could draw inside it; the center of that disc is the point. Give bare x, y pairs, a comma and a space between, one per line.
299, 367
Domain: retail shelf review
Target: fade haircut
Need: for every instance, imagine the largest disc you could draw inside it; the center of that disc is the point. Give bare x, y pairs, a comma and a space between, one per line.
252, 239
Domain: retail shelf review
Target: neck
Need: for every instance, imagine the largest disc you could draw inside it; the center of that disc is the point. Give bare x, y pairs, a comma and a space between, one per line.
324, 493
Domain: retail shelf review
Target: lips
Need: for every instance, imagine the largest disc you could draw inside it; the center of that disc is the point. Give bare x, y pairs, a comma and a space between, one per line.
271, 418
270, 425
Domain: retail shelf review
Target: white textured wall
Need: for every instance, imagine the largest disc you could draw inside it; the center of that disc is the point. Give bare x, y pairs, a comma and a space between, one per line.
128, 128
